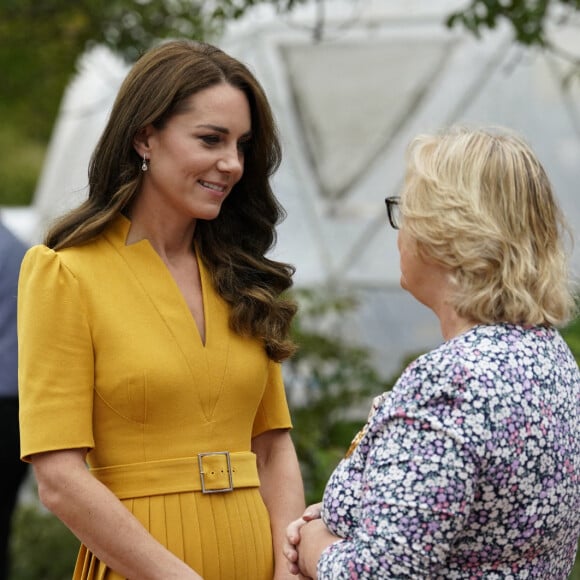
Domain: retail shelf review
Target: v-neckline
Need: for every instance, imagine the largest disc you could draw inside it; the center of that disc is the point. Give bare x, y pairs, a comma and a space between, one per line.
204, 358
203, 336
119, 234
201, 280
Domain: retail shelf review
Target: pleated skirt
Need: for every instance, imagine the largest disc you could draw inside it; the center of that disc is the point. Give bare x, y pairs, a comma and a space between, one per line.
222, 536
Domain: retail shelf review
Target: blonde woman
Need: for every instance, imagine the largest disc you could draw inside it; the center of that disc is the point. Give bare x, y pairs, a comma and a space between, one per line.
470, 467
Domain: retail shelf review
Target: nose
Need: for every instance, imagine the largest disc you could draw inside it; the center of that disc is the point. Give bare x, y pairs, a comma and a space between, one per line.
231, 161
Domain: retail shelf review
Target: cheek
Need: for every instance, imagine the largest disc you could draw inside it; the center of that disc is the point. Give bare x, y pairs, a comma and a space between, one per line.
405, 246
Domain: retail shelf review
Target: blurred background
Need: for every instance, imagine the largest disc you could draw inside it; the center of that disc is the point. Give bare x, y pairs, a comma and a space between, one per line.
350, 82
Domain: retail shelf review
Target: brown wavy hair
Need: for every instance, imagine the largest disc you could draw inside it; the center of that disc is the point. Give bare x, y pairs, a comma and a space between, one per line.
479, 202
234, 245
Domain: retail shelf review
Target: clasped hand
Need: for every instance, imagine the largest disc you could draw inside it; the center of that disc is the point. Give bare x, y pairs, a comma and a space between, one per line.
306, 539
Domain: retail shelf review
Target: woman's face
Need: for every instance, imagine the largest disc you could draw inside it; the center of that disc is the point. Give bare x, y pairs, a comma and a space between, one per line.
198, 156
424, 279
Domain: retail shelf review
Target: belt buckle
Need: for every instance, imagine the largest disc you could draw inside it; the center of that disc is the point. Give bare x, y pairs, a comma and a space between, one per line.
226, 454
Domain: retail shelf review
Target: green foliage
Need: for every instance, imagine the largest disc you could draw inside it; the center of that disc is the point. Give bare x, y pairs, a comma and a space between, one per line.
235, 9
530, 21
575, 572
43, 40
330, 385
21, 163
128, 27
42, 547
571, 335
527, 19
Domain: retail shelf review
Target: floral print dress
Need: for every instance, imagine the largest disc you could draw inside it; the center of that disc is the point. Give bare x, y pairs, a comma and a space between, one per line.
468, 468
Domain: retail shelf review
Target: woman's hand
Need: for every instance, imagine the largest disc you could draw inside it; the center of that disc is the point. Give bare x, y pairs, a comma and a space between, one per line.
290, 548
293, 536
315, 537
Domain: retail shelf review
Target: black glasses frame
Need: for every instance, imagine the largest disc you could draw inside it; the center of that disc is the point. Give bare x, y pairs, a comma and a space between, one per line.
392, 204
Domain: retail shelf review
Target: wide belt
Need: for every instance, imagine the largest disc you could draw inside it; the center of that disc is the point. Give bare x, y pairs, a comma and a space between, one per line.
212, 472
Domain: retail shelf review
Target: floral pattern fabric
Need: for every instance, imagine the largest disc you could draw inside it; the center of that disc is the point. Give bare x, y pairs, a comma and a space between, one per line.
468, 468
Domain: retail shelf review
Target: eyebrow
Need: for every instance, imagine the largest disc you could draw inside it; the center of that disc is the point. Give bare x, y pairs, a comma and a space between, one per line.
222, 130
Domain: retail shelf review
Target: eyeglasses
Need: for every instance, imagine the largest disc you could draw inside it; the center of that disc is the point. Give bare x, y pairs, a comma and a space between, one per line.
393, 211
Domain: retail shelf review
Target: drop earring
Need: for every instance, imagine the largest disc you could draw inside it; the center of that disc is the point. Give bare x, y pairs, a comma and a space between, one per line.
144, 166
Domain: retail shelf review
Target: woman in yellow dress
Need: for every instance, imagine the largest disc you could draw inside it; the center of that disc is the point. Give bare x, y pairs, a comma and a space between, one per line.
152, 328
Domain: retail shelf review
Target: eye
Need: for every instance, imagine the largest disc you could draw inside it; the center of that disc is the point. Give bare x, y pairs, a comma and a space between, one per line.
244, 144
210, 139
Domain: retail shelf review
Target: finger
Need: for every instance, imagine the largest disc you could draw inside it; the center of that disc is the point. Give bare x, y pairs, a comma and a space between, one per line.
312, 512
293, 531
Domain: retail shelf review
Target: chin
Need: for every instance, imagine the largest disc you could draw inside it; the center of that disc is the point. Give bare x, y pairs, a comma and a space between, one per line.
210, 214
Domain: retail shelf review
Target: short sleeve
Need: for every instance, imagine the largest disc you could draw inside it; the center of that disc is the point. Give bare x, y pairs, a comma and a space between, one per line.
56, 363
273, 411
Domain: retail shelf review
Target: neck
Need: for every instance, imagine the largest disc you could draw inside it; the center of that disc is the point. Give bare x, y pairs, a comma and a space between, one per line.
171, 236
452, 324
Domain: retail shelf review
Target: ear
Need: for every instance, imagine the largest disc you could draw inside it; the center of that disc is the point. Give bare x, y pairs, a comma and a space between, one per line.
141, 141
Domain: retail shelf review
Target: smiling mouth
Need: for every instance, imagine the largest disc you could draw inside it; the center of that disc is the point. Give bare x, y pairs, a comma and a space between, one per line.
213, 186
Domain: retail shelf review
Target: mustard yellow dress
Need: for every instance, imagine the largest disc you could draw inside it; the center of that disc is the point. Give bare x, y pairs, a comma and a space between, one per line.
111, 360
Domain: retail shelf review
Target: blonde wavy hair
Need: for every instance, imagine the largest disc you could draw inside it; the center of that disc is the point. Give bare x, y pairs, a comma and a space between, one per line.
478, 202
